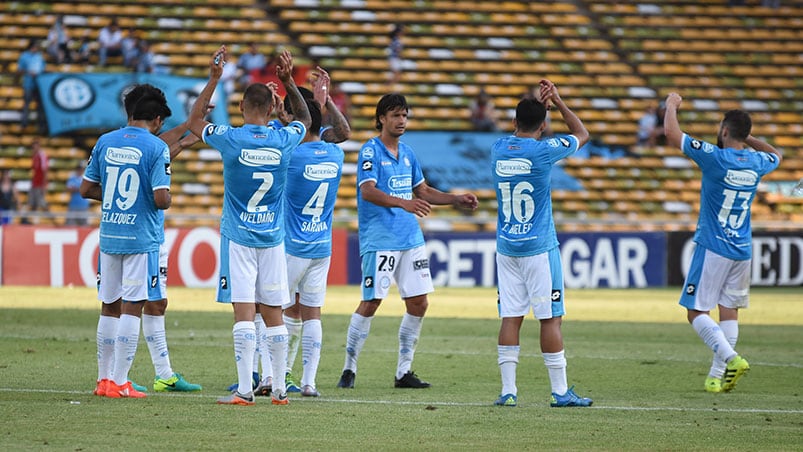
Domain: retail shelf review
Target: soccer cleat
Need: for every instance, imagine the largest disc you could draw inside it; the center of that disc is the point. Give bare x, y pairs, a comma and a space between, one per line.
137, 387
235, 398
254, 383
411, 380
713, 384
175, 383
347, 379
737, 367
264, 388
569, 399
278, 398
100, 389
310, 391
290, 383
506, 400
123, 392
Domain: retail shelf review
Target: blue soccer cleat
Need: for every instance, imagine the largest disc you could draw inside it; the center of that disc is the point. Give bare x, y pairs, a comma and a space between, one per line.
506, 400
569, 399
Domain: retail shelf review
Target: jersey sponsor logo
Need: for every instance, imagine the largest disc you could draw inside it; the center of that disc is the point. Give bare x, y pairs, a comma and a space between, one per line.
421, 264
400, 182
690, 289
513, 167
368, 282
367, 165
123, 156
696, 144
745, 178
321, 171
385, 163
368, 153
555, 295
260, 157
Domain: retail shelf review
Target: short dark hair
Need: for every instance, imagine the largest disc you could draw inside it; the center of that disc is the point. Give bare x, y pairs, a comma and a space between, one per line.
138, 92
530, 114
387, 103
305, 93
257, 96
738, 123
149, 108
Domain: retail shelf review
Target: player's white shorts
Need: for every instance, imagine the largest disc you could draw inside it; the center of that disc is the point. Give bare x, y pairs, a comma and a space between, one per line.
163, 268
408, 268
132, 277
530, 283
307, 277
714, 280
249, 275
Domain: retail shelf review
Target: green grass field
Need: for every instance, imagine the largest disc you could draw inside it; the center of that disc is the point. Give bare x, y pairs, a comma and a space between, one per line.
630, 350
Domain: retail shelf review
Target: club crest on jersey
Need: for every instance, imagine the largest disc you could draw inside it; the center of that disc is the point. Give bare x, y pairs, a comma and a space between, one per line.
407, 161
513, 167
260, 157
708, 148
220, 130
368, 153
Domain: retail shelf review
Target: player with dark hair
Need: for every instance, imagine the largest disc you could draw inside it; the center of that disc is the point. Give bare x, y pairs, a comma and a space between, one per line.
719, 272
391, 194
253, 267
129, 172
528, 258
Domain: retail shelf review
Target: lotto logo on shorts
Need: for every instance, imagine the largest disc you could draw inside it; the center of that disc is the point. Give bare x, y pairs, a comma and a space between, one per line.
154, 281
555, 295
224, 284
421, 264
369, 282
690, 289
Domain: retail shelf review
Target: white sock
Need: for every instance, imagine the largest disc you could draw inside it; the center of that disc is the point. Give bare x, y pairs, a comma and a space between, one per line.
359, 327
712, 335
244, 334
294, 331
277, 344
556, 369
261, 352
508, 359
153, 328
311, 351
106, 336
125, 347
730, 328
409, 331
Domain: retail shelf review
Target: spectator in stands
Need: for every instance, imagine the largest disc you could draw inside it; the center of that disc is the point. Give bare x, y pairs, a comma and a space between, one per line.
78, 205
147, 60
250, 61
9, 198
774, 4
131, 49
84, 50
720, 268
657, 137
40, 164
110, 42
58, 42
646, 126
30, 64
483, 112
394, 52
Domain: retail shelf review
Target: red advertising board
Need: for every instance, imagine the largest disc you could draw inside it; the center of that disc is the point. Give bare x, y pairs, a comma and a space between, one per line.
61, 256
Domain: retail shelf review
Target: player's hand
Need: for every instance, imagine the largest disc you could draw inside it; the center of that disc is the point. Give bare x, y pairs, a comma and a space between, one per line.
549, 93
284, 70
217, 63
466, 201
417, 206
674, 100
320, 86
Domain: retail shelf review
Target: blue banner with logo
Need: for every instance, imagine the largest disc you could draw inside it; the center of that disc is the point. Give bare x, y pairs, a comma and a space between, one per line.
95, 101
463, 160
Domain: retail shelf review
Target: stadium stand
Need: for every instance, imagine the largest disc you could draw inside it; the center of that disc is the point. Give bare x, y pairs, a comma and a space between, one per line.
610, 59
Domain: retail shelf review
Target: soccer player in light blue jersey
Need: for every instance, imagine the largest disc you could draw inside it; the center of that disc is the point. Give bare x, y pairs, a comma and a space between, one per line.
129, 172
719, 273
528, 263
391, 194
253, 267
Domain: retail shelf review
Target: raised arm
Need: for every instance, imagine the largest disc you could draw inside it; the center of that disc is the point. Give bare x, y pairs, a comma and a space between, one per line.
340, 130
763, 146
674, 136
196, 121
284, 70
549, 93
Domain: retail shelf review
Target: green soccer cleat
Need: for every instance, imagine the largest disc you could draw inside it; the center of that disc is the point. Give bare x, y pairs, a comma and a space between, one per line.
713, 384
506, 400
290, 383
737, 367
137, 387
176, 383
